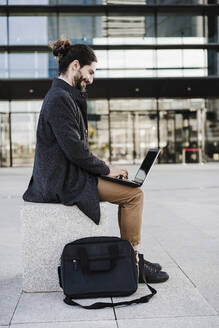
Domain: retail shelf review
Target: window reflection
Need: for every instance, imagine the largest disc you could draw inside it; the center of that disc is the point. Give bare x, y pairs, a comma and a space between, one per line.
28, 30
123, 130
23, 138
26, 106
180, 26
80, 28
180, 2
3, 30
3, 65
4, 106
32, 2
4, 139
37, 65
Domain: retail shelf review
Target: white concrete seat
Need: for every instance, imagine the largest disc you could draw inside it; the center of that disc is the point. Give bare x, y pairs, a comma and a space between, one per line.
46, 229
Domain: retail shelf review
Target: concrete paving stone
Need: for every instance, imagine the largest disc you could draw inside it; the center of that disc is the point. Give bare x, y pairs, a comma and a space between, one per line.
183, 240
179, 322
189, 248
72, 324
152, 250
177, 280
180, 224
176, 297
184, 302
49, 307
206, 279
10, 291
196, 215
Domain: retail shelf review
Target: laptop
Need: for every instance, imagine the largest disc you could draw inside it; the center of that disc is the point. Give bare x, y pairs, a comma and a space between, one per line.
142, 172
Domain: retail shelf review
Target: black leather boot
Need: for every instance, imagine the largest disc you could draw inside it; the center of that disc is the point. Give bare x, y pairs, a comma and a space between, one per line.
152, 274
157, 266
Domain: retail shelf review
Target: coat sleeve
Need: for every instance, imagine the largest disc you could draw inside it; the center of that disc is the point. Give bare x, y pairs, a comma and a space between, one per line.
63, 120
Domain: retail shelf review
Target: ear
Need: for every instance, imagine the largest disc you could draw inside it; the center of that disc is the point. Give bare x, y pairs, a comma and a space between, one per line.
75, 65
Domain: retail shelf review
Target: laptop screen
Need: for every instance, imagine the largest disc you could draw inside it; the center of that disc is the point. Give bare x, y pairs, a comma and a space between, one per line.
146, 165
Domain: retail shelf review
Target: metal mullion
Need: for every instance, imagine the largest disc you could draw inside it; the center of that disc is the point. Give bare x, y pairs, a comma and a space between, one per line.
29, 48
10, 135
124, 10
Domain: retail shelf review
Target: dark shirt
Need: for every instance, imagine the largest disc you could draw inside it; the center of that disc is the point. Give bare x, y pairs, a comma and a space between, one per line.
65, 171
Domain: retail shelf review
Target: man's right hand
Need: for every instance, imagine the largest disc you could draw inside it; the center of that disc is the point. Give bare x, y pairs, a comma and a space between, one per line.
116, 171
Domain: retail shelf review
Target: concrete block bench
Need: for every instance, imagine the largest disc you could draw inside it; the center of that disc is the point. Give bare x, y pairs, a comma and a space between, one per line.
46, 229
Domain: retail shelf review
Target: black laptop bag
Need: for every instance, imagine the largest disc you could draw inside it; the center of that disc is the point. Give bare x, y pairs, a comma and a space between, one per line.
100, 267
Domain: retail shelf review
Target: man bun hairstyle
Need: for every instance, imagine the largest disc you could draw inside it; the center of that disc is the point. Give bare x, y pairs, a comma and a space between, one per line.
66, 53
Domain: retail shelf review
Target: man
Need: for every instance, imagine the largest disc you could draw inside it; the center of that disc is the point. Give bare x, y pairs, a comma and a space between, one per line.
65, 171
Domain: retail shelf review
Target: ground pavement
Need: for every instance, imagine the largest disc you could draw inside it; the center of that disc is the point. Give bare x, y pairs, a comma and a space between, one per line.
180, 230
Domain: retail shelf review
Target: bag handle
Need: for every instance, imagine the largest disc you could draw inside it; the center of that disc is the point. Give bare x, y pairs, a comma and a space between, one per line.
100, 305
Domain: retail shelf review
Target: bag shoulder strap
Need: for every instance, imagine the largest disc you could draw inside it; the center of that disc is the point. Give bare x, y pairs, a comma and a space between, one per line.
100, 305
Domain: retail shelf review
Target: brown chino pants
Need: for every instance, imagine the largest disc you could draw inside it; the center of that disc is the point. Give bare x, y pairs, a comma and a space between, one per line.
130, 201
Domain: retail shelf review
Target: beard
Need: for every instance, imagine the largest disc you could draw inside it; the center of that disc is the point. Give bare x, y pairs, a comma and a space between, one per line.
78, 83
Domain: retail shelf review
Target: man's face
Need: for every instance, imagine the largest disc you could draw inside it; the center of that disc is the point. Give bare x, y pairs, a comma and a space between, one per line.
85, 76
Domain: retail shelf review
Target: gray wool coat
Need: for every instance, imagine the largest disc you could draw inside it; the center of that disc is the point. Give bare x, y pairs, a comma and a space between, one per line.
65, 171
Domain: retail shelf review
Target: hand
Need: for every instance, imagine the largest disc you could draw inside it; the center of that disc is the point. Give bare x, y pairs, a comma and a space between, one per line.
116, 171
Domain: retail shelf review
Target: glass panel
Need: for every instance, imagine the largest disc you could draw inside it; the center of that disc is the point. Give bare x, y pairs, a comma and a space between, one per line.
127, 26
125, 63
98, 128
182, 62
80, 2
122, 141
132, 133
35, 65
180, 2
212, 130
28, 30
97, 106
181, 126
98, 134
169, 59
4, 106
80, 28
52, 28
3, 2
167, 137
23, 138
4, 140
145, 135
180, 26
4, 65
26, 106
32, 2
107, 30
142, 63
3, 30
132, 104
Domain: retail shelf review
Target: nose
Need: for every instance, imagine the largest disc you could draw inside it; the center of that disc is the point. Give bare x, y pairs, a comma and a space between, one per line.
89, 79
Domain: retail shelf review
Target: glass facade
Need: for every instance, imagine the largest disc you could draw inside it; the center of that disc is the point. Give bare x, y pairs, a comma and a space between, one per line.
121, 130
127, 46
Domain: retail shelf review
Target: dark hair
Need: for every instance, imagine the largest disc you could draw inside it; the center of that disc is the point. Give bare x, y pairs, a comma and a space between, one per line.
67, 53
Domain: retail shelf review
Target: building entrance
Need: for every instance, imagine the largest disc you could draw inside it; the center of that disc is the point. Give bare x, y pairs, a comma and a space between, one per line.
132, 133
179, 131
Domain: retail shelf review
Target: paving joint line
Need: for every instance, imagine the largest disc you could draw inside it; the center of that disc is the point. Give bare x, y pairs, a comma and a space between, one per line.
114, 311
16, 306
175, 262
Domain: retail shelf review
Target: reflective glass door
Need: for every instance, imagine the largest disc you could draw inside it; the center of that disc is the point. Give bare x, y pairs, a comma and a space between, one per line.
23, 138
131, 134
178, 131
4, 140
